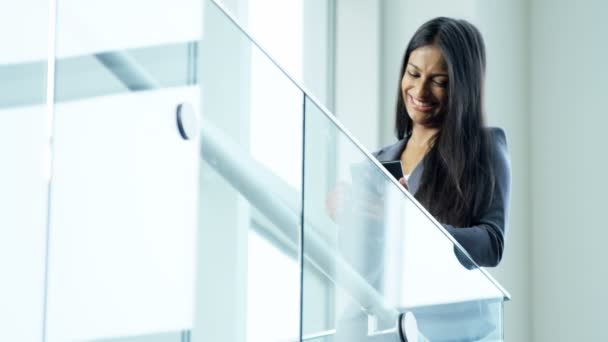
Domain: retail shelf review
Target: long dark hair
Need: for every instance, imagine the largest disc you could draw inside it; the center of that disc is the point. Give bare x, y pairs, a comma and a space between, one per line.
458, 180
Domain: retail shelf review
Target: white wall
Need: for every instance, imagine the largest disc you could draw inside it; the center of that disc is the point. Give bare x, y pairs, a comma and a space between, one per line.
503, 25
569, 164
357, 80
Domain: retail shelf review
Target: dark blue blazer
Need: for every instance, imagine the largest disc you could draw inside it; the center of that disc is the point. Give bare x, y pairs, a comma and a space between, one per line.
485, 239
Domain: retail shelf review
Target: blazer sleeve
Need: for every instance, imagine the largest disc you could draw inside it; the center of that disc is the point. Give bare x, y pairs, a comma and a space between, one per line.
485, 240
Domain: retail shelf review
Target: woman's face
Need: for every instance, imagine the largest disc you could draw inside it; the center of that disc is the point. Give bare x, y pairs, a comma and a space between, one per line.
424, 85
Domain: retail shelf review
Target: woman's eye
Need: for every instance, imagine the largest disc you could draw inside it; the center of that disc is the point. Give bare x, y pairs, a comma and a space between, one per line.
413, 74
442, 84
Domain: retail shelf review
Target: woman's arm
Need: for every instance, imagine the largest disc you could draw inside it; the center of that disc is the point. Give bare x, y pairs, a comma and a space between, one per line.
484, 241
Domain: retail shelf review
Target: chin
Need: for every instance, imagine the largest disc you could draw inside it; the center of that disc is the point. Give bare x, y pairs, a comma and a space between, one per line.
417, 117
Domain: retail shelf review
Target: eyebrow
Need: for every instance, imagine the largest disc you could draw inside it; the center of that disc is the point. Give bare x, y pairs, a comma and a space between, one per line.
432, 75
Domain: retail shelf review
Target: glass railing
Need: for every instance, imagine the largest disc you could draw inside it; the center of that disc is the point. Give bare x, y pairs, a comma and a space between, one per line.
368, 251
199, 193
122, 225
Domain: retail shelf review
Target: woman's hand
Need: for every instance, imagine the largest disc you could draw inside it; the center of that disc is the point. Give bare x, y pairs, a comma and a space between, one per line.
335, 200
403, 182
360, 202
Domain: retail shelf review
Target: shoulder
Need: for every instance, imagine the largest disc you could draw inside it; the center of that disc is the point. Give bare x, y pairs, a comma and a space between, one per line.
498, 141
390, 152
500, 153
497, 136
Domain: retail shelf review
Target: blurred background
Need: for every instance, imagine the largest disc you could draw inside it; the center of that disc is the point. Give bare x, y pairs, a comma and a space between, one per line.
60, 105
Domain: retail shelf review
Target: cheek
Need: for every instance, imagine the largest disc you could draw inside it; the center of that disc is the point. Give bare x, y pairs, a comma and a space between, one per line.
442, 97
404, 86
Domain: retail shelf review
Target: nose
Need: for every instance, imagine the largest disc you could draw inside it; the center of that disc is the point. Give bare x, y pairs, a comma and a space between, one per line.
420, 90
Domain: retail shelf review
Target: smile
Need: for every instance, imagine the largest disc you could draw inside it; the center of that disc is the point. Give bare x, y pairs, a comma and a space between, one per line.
422, 106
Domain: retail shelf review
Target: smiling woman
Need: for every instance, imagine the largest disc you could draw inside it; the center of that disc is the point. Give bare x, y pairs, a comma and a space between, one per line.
454, 165
424, 83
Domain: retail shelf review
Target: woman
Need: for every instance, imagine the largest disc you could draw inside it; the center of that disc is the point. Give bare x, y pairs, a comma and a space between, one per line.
454, 165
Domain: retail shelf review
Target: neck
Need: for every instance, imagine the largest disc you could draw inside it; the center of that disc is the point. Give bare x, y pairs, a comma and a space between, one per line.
422, 136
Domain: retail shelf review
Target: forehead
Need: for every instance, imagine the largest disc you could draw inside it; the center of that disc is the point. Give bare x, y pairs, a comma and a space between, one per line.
428, 58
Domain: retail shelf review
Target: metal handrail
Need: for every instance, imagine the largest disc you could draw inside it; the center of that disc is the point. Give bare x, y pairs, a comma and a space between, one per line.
247, 176
252, 181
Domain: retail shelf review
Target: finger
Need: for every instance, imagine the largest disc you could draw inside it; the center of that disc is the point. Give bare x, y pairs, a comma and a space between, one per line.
403, 182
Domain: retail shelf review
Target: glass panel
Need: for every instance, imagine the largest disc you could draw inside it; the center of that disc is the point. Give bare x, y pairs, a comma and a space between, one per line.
125, 172
303, 45
249, 270
381, 252
123, 217
23, 208
24, 142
